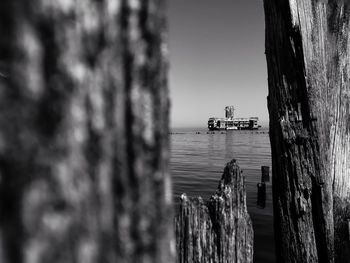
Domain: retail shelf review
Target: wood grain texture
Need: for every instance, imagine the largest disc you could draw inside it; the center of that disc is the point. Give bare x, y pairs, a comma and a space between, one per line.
307, 45
84, 132
219, 230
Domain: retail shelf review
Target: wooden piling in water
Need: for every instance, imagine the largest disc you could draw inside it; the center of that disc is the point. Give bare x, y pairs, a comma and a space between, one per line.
265, 174
261, 203
219, 230
84, 133
308, 59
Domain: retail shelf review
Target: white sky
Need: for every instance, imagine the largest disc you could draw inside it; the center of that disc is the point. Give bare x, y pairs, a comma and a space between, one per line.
217, 59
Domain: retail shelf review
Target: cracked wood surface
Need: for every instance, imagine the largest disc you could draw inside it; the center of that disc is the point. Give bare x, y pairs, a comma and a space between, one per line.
307, 50
219, 230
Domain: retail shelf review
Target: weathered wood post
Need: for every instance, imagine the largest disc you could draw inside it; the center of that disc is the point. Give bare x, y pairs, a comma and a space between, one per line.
261, 202
265, 174
219, 230
83, 132
307, 50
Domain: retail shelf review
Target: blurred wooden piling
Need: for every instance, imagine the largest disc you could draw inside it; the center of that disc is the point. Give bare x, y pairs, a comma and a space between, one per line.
219, 230
84, 102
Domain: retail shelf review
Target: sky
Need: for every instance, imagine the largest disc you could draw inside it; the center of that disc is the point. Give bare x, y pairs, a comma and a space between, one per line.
216, 59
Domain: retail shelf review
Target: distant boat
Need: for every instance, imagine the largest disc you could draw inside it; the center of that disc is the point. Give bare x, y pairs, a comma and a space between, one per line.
231, 123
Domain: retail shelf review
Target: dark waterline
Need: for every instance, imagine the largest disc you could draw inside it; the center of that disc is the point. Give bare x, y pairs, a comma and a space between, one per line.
197, 162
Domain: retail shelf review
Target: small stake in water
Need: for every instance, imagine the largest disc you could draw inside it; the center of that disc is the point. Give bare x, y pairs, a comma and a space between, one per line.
265, 174
261, 195
349, 229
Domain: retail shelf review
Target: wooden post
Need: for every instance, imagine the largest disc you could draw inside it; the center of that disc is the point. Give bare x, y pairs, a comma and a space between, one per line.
307, 51
84, 132
265, 174
220, 230
261, 202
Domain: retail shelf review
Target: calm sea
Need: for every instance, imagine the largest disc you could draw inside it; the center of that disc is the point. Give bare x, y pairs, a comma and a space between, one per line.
197, 163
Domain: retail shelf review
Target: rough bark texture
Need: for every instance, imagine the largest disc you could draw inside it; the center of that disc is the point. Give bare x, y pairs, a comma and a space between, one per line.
307, 50
83, 132
219, 230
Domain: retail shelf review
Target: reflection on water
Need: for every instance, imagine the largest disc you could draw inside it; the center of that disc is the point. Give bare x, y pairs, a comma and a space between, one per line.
198, 160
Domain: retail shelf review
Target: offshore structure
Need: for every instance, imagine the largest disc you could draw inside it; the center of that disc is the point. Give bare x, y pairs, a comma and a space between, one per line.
232, 123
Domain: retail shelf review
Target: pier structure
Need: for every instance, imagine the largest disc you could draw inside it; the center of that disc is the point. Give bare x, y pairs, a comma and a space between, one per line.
232, 123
